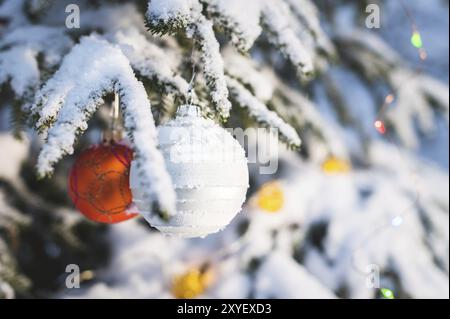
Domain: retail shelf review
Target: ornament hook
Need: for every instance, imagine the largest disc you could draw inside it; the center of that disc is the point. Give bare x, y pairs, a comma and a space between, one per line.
190, 90
114, 131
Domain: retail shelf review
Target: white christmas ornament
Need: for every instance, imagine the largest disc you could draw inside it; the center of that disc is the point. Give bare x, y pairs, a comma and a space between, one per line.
209, 171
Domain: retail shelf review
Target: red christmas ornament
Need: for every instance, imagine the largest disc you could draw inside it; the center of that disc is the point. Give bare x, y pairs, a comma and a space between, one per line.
99, 183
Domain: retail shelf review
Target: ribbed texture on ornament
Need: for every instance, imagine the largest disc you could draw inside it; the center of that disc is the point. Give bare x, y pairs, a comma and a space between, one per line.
209, 171
197, 174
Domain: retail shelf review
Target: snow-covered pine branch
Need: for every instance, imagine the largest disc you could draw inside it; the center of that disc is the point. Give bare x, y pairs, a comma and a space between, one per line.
413, 107
18, 66
320, 138
283, 36
93, 68
168, 16
240, 20
20, 51
308, 15
152, 63
171, 16
11, 13
259, 81
416, 96
243, 28
213, 66
261, 113
303, 115
243, 22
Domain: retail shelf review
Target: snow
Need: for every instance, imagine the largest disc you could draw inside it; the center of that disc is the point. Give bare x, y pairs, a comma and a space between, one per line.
170, 9
356, 211
281, 277
18, 62
260, 112
11, 10
242, 24
284, 37
417, 96
50, 41
331, 227
213, 66
151, 61
249, 73
10, 217
167, 11
241, 19
74, 93
308, 15
19, 66
113, 17
17, 153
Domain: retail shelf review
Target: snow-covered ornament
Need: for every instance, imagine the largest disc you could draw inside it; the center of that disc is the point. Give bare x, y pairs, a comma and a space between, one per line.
209, 171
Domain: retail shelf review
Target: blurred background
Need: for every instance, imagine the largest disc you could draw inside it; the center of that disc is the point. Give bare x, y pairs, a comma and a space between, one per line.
360, 211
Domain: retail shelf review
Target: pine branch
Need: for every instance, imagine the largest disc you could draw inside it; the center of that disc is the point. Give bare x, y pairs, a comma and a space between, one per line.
66, 106
284, 37
261, 114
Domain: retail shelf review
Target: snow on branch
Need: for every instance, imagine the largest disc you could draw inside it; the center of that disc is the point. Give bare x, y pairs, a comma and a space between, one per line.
240, 20
19, 51
242, 24
52, 42
19, 66
320, 137
151, 62
93, 68
413, 106
308, 14
11, 13
186, 15
213, 66
171, 16
248, 72
416, 96
260, 113
283, 37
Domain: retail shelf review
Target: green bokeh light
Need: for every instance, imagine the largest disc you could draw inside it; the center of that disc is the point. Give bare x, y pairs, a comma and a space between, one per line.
387, 293
416, 40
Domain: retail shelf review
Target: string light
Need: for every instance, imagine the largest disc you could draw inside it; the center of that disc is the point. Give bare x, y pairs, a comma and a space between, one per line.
389, 99
270, 197
192, 283
423, 54
379, 125
387, 293
334, 165
87, 275
417, 42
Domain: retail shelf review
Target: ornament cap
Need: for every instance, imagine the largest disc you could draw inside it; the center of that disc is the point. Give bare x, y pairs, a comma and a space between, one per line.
188, 110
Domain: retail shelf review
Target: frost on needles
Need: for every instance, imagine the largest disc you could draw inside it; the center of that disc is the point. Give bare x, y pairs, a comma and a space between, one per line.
68, 100
241, 25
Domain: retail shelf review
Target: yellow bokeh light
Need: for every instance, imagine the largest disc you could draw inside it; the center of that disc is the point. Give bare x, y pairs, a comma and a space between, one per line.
270, 197
334, 165
191, 284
